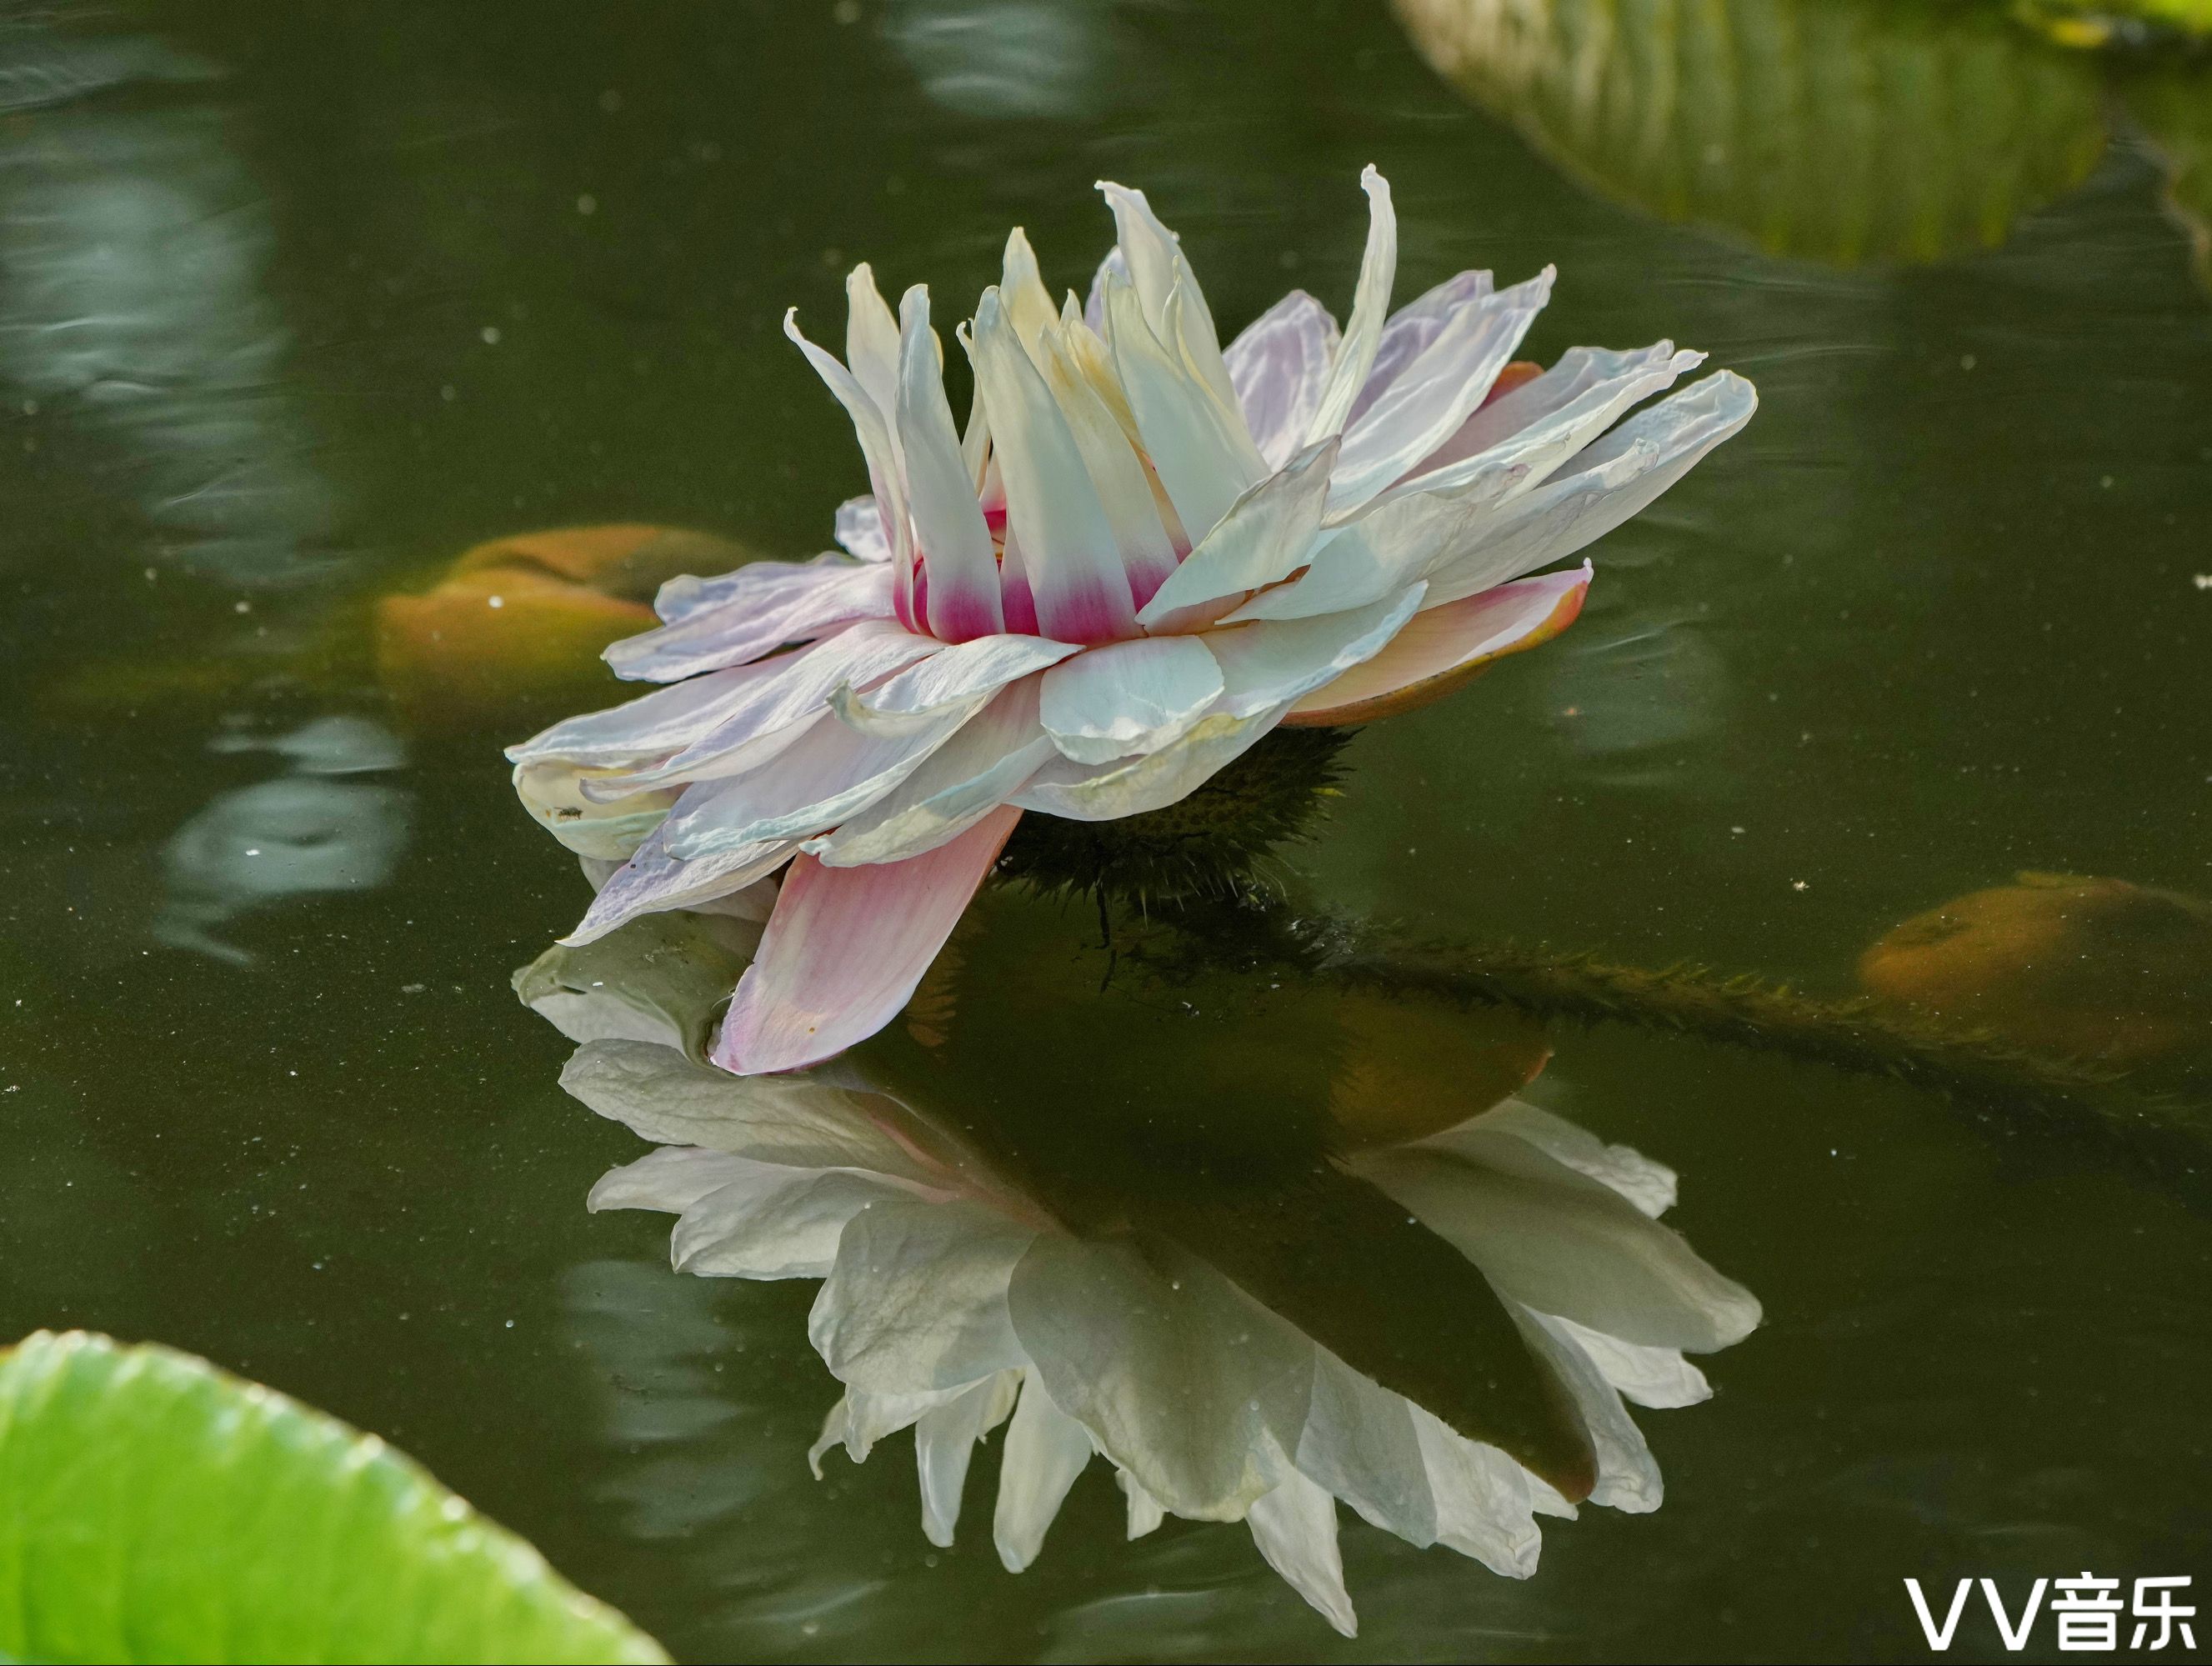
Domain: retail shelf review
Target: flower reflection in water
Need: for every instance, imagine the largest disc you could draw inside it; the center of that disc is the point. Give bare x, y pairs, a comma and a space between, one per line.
1252, 1305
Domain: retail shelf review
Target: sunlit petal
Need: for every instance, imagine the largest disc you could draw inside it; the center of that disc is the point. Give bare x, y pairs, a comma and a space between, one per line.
1266, 534
1355, 354
1129, 698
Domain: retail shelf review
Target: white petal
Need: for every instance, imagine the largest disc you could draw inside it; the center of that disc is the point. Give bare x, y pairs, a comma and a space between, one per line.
1146, 1512
1627, 1474
944, 1440
793, 1121
1295, 1527
872, 342
1482, 1497
1128, 698
1359, 1441
878, 446
610, 829
1159, 269
671, 1179
1106, 792
653, 726
1181, 1379
1124, 491
1606, 484
833, 1434
1559, 1242
1651, 1186
1274, 663
1584, 379
1436, 393
954, 543
870, 1417
766, 719
1021, 288
1278, 366
1355, 354
1659, 1378
1046, 1450
918, 1297
1266, 534
1113, 267
963, 781
774, 1224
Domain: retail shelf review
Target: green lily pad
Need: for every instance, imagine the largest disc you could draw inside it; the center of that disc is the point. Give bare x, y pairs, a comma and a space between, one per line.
154, 1508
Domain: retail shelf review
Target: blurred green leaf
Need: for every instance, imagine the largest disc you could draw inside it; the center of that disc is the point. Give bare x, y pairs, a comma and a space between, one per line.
153, 1508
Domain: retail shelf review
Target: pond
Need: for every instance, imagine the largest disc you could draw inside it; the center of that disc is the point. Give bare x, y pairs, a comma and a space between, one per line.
299, 305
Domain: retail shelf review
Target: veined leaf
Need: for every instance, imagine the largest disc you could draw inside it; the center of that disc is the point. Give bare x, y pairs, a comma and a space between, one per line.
154, 1508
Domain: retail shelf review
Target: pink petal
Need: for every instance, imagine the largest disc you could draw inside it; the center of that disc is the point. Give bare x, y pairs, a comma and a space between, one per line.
845, 947
1442, 648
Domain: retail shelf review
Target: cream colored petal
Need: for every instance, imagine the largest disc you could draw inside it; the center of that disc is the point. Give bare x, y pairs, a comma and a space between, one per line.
1658, 1378
872, 342
1199, 447
1266, 534
1271, 664
944, 1441
1627, 1474
949, 529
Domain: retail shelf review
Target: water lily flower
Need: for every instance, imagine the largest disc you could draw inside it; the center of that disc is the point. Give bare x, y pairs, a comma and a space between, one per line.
1142, 553
956, 1301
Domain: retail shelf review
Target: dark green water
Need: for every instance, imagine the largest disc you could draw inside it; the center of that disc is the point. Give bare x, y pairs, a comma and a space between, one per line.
296, 304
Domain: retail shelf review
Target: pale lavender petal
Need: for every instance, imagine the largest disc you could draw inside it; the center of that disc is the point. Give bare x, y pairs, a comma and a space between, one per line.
1411, 328
653, 726
1278, 366
1439, 648
1608, 483
845, 947
1271, 664
1431, 396
765, 720
951, 678
755, 623
652, 881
